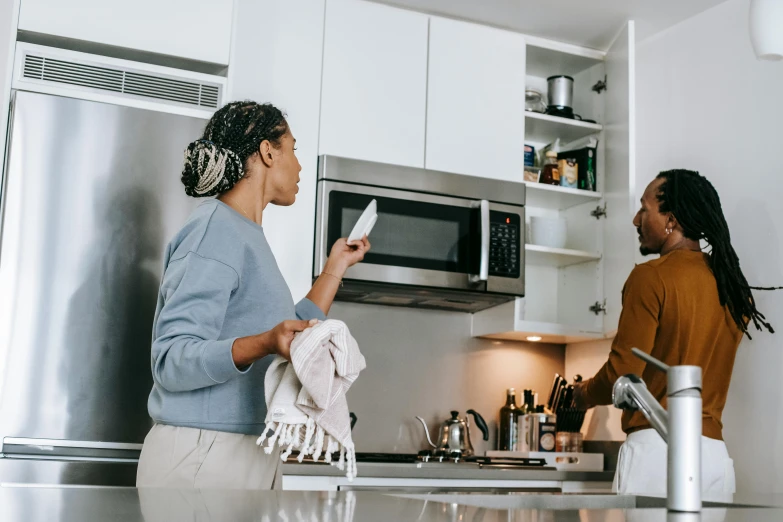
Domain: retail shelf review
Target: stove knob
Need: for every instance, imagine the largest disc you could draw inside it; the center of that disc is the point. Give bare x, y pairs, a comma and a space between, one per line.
455, 456
425, 455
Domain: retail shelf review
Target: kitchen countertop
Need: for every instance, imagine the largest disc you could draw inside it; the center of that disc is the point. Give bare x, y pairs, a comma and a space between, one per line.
450, 471
88, 504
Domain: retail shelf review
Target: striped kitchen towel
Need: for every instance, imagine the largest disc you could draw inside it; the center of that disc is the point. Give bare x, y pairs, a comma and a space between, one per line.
306, 405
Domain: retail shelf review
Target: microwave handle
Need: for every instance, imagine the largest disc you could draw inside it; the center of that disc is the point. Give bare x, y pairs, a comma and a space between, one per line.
483, 274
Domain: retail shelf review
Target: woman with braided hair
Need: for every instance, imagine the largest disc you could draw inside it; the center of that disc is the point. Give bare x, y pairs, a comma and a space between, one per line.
223, 307
687, 307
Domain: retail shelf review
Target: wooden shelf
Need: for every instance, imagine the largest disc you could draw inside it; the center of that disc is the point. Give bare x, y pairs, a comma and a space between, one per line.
559, 257
558, 198
543, 128
552, 333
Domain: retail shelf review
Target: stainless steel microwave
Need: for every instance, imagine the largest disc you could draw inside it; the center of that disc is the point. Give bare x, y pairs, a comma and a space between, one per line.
442, 241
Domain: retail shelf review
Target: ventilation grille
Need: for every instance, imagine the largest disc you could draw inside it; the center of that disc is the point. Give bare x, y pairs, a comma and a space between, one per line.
121, 81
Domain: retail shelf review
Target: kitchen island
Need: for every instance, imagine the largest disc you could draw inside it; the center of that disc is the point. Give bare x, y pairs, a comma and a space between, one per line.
92, 504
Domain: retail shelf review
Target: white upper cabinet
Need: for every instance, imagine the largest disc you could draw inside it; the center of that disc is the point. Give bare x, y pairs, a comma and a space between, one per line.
619, 233
193, 29
475, 100
574, 294
374, 85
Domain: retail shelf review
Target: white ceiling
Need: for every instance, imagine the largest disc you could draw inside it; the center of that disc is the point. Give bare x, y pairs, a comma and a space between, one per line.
589, 23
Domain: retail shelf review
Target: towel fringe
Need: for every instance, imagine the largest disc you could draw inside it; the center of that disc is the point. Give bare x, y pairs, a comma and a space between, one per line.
319, 444
262, 438
273, 438
311, 442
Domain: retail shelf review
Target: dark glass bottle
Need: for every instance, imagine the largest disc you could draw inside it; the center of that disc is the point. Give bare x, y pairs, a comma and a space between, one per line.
530, 402
507, 433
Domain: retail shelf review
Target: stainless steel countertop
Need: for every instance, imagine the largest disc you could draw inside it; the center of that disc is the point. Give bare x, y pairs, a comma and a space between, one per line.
37, 504
447, 471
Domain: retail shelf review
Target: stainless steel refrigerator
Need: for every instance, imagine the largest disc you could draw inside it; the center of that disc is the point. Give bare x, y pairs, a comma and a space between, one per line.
90, 196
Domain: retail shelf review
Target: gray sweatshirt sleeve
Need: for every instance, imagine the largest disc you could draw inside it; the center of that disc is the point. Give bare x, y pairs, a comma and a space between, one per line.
186, 351
306, 310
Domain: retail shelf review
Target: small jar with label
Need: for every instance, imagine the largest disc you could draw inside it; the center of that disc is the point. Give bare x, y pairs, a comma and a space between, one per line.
575, 442
550, 175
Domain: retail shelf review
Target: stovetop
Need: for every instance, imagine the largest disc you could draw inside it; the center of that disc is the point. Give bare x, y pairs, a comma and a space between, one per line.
430, 458
439, 460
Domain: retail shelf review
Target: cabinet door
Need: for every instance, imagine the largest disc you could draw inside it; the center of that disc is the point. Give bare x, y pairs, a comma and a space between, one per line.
475, 100
374, 85
619, 193
194, 29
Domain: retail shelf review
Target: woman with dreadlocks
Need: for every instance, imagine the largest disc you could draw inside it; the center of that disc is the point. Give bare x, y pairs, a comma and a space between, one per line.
687, 307
224, 306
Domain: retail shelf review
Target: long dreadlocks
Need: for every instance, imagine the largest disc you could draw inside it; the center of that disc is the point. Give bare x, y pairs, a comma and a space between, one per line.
695, 204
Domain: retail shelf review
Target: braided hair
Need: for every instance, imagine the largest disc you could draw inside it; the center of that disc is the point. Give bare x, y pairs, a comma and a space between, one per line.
695, 204
216, 162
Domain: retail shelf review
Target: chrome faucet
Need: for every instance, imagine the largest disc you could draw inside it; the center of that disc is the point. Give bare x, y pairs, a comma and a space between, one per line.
680, 427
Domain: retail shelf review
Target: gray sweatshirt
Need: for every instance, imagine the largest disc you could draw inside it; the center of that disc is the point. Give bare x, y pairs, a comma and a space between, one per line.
220, 282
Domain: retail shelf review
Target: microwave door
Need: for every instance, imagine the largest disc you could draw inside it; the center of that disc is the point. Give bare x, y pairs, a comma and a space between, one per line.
419, 239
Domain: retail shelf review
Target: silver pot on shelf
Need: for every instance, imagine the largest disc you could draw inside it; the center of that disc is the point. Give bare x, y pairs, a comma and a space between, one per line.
560, 96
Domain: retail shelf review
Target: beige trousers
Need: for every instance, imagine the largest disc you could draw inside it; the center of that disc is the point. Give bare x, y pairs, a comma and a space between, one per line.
177, 457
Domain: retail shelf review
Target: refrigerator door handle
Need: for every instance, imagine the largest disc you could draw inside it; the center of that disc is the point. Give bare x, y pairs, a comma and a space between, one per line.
49, 444
22, 448
61, 458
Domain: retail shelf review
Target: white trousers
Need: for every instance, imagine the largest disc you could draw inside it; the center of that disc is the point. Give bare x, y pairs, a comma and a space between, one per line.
641, 467
177, 457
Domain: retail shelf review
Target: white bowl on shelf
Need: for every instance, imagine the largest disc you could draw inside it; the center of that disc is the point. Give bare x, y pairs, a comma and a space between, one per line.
548, 232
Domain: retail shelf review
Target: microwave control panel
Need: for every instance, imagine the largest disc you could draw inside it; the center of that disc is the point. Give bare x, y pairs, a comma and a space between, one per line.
504, 244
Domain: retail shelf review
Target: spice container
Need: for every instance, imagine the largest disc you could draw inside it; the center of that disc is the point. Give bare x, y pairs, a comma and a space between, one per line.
550, 175
575, 442
562, 441
542, 427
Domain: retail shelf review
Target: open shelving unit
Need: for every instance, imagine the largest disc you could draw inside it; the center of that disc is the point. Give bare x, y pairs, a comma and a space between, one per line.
564, 287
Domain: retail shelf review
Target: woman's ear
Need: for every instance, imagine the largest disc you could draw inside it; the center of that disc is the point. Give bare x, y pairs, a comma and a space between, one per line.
265, 153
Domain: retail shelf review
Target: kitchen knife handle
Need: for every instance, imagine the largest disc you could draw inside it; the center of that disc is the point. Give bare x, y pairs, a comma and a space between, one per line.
555, 385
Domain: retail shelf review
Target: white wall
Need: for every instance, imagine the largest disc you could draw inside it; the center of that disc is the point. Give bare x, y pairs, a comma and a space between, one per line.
276, 57
707, 104
422, 362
